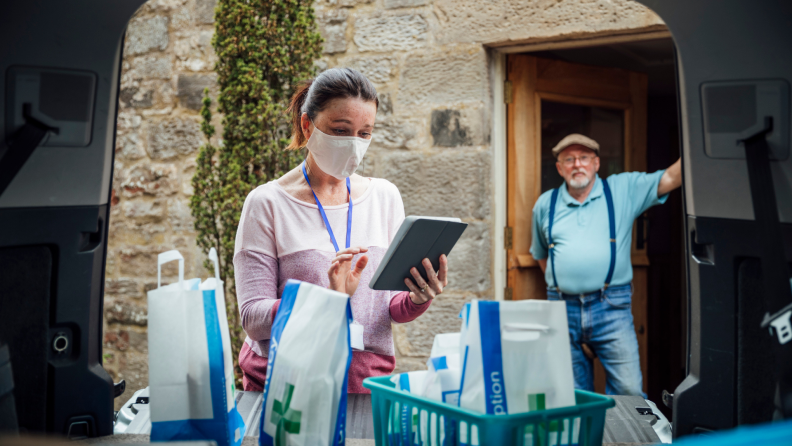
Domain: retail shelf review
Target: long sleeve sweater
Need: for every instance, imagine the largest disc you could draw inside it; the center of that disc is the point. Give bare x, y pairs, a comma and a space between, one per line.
281, 238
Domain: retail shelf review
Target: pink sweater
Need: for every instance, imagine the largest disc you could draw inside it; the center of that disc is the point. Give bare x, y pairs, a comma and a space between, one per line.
281, 238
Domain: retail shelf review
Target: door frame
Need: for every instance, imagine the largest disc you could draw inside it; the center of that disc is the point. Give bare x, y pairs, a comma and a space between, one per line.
499, 50
530, 81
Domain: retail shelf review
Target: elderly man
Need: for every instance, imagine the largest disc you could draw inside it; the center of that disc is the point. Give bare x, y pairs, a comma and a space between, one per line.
584, 229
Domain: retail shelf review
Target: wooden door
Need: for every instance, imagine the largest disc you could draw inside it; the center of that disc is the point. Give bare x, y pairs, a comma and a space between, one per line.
548, 99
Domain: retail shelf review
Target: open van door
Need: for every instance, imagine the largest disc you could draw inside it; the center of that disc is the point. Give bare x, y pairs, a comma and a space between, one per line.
734, 77
59, 73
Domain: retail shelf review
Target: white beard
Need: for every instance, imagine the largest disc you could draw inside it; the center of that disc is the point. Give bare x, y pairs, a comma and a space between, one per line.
579, 184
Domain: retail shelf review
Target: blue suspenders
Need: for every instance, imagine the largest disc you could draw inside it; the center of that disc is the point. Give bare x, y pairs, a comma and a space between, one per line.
611, 224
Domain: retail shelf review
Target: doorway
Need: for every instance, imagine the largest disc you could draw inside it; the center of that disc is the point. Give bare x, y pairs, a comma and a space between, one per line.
623, 96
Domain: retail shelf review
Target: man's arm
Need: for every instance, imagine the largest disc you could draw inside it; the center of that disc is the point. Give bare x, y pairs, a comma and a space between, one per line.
543, 265
671, 179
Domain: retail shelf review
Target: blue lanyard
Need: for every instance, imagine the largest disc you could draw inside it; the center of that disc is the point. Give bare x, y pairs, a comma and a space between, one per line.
324, 216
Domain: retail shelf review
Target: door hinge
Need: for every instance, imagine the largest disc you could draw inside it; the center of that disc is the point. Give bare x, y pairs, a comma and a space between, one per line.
507, 92
508, 234
508, 293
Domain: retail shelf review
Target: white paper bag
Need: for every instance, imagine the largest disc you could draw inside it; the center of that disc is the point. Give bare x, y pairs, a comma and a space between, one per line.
517, 357
445, 344
305, 392
443, 378
400, 429
191, 376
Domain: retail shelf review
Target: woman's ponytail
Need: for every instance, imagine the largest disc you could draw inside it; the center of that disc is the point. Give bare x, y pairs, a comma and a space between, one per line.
295, 110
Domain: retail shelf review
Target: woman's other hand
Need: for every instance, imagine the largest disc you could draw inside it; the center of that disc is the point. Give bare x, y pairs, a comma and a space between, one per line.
425, 292
343, 277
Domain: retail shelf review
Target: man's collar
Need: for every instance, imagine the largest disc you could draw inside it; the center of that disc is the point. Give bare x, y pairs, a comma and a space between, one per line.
596, 192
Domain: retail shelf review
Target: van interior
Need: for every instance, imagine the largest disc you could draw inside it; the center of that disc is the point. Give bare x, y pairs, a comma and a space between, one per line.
717, 303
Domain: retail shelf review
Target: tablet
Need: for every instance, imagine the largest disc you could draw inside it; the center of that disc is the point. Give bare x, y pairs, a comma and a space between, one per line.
418, 238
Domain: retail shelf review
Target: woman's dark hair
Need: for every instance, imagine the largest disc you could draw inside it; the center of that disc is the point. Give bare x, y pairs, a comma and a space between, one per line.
313, 95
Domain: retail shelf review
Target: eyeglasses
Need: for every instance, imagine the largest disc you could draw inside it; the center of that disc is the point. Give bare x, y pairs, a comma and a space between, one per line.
585, 160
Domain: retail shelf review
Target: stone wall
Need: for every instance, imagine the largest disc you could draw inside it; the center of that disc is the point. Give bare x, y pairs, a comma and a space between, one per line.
431, 65
168, 60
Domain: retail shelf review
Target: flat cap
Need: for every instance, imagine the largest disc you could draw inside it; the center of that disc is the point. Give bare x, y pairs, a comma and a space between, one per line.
576, 138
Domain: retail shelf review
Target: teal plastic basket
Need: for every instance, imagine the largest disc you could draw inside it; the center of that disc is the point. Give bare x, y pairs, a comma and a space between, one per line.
404, 419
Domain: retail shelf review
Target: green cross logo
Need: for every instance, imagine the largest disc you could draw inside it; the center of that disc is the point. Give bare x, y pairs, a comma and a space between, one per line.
286, 418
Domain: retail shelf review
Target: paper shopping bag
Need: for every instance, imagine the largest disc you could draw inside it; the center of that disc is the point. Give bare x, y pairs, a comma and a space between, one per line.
403, 422
517, 357
191, 378
305, 392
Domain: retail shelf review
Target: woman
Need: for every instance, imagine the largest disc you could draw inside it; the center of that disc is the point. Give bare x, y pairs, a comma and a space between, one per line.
323, 224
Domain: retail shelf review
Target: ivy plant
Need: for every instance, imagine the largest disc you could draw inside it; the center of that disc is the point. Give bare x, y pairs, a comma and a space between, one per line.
264, 49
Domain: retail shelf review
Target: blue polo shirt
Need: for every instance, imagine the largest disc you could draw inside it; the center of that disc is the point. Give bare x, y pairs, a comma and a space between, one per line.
581, 232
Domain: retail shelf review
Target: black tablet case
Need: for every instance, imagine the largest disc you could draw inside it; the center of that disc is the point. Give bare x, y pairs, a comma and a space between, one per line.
418, 238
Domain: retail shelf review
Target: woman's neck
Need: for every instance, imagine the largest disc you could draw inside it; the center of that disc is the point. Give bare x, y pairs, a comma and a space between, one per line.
321, 182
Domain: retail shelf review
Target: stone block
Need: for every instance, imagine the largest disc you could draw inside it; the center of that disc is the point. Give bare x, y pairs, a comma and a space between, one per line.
146, 94
447, 183
123, 288
110, 261
129, 147
165, 5
126, 313
415, 338
407, 364
522, 20
171, 137
148, 179
143, 211
179, 215
378, 69
134, 369
138, 339
333, 27
130, 233
392, 4
190, 89
333, 15
145, 34
188, 170
205, 11
140, 261
110, 363
347, 3
116, 339
128, 120
462, 127
320, 65
136, 97
368, 167
183, 19
447, 131
456, 75
147, 67
391, 32
470, 261
194, 51
385, 109
393, 134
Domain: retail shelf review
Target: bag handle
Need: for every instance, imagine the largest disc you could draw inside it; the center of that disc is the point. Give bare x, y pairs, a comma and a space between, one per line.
166, 257
525, 326
214, 259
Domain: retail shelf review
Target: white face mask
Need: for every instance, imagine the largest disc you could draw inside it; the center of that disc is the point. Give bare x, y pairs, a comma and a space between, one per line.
338, 156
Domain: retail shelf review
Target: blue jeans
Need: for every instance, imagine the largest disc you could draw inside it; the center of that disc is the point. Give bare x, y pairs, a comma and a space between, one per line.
605, 324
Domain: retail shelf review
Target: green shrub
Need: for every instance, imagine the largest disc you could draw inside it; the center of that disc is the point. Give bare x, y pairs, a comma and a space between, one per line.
264, 48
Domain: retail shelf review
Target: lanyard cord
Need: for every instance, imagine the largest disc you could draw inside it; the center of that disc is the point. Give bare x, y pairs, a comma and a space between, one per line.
324, 216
